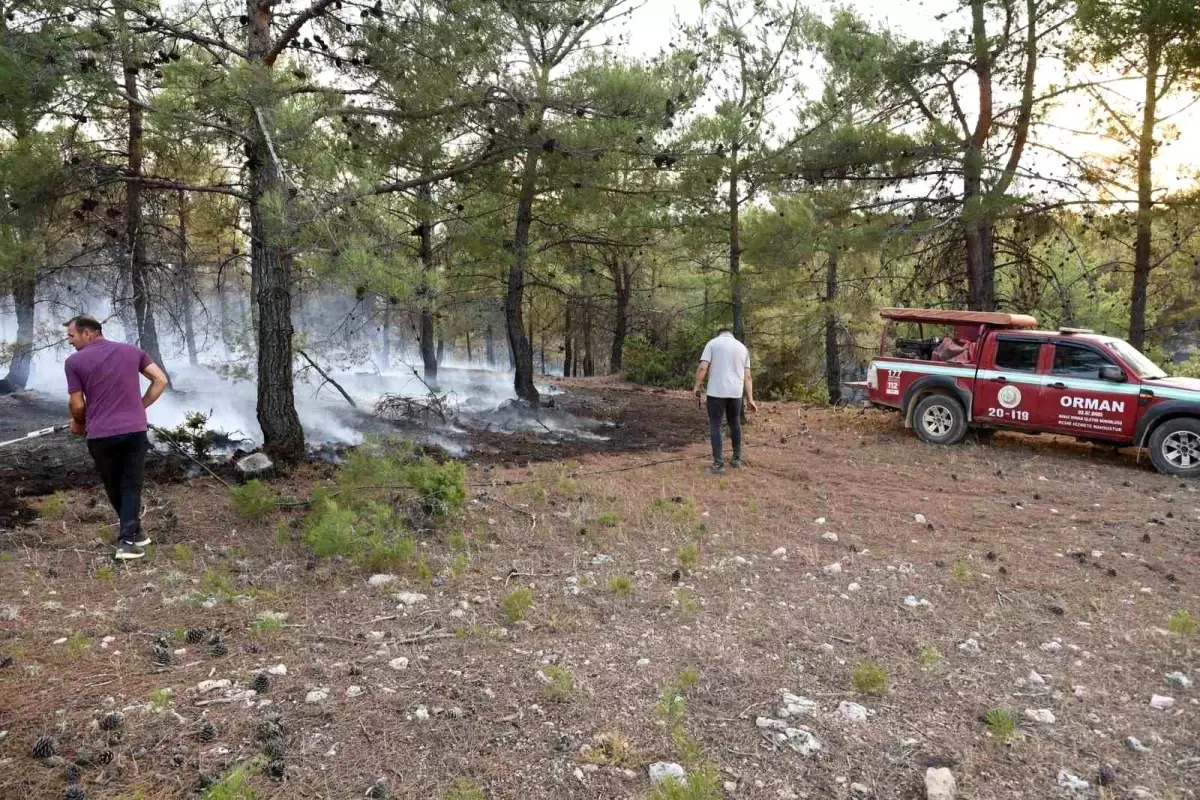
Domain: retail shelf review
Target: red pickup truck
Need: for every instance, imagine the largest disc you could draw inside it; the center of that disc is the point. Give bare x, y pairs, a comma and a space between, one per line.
996, 371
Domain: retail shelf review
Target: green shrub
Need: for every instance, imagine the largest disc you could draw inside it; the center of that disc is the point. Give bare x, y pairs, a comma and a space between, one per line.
1001, 722
234, 786
253, 499
516, 603
192, 435
621, 586
53, 506
870, 678
463, 789
331, 530
442, 487
559, 684
928, 656
703, 783
1181, 623
688, 556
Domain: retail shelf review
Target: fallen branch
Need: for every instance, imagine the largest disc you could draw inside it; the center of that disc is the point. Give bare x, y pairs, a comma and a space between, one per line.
167, 438
328, 379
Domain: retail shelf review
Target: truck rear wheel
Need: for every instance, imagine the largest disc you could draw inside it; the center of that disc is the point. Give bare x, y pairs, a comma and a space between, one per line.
940, 419
1175, 447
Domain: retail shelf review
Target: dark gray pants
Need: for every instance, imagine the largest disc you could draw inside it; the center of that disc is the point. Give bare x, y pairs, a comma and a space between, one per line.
121, 462
731, 409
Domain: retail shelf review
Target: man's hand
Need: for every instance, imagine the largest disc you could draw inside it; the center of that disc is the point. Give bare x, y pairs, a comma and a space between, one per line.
78, 428
753, 406
699, 396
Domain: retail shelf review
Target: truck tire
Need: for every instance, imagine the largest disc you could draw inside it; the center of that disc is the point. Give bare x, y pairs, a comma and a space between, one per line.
940, 419
1175, 447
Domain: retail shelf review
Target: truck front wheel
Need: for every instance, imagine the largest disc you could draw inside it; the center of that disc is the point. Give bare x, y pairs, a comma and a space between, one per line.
940, 419
1175, 447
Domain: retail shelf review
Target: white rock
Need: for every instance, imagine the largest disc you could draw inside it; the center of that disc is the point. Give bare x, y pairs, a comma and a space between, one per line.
1179, 679
410, 598
278, 669
457, 613
861, 790
60, 640
797, 706
381, 579
820, 520
1162, 702
1072, 783
853, 587
1141, 793
1135, 744
832, 569
919, 519
602, 558
970, 648
852, 712
780, 552
666, 770
939, 784
1042, 716
254, 465
912, 601
829, 536
204, 687
421, 714
398, 663
1050, 647
318, 695
354, 691
1035, 678
643, 662
741, 562
9, 613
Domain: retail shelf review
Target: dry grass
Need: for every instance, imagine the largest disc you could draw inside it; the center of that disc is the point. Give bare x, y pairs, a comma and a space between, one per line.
738, 631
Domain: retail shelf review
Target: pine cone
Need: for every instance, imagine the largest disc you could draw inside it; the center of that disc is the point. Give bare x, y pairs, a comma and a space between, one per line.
208, 732
44, 747
6, 661
161, 657
195, 635
105, 757
204, 781
217, 647
261, 684
75, 792
179, 759
127, 626
277, 769
269, 728
72, 773
379, 790
114, 738
355, 670
274, 749
111, 721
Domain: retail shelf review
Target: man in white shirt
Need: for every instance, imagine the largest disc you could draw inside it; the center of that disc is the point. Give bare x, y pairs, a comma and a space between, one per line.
726, 362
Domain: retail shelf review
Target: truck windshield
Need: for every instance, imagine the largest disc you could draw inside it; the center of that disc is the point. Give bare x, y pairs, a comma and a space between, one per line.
1144, 367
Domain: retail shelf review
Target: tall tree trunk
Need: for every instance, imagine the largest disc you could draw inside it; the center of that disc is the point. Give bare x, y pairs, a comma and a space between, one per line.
441, 348
489, 347
1145, 217
735, 247
518, 341
429, 355
622, 278
386, 344
978, 218
470, 357
270, 262
187, 284
135, 234
568, 336
24, 290
589, 359
833, 363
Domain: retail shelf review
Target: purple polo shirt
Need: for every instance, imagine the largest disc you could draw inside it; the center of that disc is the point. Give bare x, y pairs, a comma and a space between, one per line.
107, 374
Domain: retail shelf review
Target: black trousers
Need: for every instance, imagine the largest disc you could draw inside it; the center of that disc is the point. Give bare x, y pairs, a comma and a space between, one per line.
121, 462
731, 409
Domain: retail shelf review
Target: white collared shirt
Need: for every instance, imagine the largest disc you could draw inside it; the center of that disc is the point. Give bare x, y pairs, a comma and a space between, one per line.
728, 359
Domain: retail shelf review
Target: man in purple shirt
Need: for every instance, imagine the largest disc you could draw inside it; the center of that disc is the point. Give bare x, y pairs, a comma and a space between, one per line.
107, 404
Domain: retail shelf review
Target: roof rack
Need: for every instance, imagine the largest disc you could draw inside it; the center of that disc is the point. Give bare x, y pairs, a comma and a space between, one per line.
934, 315
1075, 330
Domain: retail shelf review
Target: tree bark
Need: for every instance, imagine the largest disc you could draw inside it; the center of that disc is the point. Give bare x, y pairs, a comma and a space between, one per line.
568, 336
589, 360
135, 235
24, 291
735, 248
833, 364
490, 347
622, 278
518, 341
187, 285
429, 355
1145, 217
470, 356
270, 263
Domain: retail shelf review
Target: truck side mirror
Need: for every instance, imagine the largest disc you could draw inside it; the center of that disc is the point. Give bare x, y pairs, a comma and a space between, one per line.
1111, 372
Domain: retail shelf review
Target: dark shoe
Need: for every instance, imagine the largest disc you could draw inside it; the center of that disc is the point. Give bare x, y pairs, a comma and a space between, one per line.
735, 464
128, 551
142, 540
717, 468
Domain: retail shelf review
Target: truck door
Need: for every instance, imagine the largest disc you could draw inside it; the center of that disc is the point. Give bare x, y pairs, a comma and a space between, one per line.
1078, 401
1007, 386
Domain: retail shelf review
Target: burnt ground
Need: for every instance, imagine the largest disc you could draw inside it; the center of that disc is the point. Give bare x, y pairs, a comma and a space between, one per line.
665, 620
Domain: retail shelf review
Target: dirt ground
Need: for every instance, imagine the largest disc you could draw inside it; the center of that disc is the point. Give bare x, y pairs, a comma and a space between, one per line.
670, 608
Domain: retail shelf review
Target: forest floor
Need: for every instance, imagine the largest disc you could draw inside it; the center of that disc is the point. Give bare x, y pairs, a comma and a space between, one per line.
899, 591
